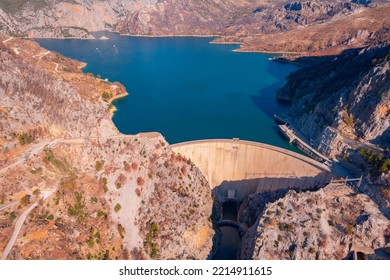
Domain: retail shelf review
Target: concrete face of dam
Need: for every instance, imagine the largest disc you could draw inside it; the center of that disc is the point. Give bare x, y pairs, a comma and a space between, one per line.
250, 167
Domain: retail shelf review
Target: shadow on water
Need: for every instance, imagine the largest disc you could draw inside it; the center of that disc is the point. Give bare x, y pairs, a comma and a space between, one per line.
266, 99
267, 103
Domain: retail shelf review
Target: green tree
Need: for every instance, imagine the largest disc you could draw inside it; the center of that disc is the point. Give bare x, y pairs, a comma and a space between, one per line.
117, 207
24, 138
385, 166
12, 216
99, 165
106, 96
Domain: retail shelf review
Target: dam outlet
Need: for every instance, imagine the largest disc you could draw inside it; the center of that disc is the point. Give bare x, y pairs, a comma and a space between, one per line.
237, 169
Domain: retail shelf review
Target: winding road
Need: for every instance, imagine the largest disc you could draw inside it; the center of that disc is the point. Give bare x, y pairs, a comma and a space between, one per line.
2, 207
9, 39
15, 234
41, 55
34, 149
19, 223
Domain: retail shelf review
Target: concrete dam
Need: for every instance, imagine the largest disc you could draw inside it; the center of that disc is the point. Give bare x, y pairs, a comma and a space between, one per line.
236, 168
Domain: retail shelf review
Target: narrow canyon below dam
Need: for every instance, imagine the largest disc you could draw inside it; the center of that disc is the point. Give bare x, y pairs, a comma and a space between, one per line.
239, 170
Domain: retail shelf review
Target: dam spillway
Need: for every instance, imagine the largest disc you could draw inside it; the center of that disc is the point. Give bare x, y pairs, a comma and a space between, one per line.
250, 167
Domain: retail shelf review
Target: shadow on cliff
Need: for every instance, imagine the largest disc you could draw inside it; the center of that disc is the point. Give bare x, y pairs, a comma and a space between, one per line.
253, 195
245, 187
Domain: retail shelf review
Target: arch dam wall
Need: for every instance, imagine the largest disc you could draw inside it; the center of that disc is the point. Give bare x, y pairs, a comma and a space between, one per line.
249, 167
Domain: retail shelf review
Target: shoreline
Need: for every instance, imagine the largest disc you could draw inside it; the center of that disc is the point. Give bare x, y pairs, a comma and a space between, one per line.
113, 109
219, 36
56, 38
169, 35
265, 52
82, 65
239, 49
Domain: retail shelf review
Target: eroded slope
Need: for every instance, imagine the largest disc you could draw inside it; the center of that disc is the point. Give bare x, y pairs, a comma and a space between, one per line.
92, 192
328, 224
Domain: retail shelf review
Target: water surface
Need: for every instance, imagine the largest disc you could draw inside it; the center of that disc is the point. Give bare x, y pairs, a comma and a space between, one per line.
186, 88
229, 243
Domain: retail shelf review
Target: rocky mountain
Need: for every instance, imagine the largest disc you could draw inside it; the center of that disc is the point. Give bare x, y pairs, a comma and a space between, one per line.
342, 105
259, 25
35, 81
331, 223
356, 85
326, 34
72, 187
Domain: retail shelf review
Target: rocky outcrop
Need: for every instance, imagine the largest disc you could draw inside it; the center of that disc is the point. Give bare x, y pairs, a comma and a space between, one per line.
355, 131
59, 19
325, 35
93, 193
356, 86
331, 223
30, 84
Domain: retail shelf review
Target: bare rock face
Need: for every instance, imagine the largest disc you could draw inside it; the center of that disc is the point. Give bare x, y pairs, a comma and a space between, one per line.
296, 33
60, 19
181, 17
328, 224
343, 106
302, 26
86, 191
356, 86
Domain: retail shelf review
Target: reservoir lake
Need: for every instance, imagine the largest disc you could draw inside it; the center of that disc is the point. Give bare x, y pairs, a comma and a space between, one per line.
186, 88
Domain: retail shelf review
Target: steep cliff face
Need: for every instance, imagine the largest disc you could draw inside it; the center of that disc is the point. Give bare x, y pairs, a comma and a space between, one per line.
59, 19
326, 224
86, 191
260, 25
356, 85
191, 17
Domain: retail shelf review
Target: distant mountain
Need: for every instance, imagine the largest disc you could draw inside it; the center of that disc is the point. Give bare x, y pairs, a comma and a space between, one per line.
261, 25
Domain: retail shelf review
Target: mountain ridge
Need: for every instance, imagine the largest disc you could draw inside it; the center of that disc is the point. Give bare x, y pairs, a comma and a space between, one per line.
250, 23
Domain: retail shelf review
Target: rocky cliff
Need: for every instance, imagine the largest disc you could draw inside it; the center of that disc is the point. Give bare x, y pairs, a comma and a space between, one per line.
343, 106
84, 190
42, 77
331, 223
324, 33
259, 25
356, 85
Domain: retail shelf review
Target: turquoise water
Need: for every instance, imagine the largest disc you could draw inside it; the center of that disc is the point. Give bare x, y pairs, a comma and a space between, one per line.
186, 88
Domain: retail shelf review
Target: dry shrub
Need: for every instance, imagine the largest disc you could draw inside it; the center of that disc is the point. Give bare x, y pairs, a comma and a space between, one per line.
140, 181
